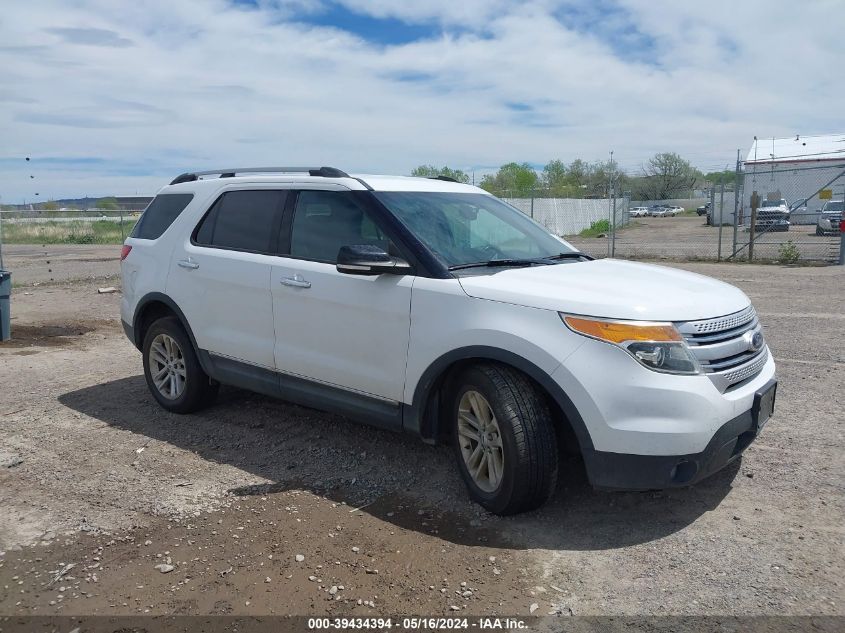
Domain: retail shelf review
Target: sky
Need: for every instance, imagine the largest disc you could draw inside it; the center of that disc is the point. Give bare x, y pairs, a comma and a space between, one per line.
116, 98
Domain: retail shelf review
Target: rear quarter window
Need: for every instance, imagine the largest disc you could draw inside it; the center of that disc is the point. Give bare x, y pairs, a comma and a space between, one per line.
160, 214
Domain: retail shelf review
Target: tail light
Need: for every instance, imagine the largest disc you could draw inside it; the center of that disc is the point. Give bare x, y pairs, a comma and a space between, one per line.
125, 251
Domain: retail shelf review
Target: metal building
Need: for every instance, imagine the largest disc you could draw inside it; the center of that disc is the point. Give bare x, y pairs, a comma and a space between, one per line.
803, 170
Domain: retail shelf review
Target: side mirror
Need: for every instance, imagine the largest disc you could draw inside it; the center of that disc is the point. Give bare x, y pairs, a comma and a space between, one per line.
366, 259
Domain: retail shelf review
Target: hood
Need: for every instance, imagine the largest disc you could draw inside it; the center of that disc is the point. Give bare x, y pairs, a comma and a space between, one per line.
610, 288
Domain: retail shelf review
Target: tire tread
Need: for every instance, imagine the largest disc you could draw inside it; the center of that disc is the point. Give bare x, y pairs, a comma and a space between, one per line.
528, 415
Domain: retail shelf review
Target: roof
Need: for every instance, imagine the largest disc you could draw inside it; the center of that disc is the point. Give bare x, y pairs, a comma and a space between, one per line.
797, 148
322, 176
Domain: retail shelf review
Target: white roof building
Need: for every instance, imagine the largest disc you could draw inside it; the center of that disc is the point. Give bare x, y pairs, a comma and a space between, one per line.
821, 147
796, 169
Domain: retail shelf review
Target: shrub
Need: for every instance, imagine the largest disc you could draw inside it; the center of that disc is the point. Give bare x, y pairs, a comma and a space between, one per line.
597, 228
788, 253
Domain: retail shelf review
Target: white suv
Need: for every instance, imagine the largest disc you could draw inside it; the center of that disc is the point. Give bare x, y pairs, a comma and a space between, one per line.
432, 307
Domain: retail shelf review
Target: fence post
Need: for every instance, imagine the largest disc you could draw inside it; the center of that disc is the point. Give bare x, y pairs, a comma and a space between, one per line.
122, 236
738, 192
1, 239
532, 207
613, 228
755, 202
710, 218
721, 211
841, 241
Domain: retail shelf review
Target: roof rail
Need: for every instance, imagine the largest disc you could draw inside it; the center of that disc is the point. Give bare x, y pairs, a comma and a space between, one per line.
325, 172
443, 178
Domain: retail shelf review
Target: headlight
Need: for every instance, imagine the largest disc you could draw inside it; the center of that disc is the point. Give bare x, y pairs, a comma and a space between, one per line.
657, 346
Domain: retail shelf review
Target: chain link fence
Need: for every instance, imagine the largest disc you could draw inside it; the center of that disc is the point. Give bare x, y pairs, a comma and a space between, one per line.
769, 213
783, 214
66, 227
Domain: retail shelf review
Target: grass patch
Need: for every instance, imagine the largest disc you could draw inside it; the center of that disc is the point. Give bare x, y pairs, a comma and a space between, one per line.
96, 232
597, 228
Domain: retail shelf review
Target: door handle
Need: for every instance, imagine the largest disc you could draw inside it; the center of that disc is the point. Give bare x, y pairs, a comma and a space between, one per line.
297, 281
188, 263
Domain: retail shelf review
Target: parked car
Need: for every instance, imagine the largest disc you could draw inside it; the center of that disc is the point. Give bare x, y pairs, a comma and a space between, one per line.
676, 210
771, 223
703, 209
638, 212
663, 211
774, 206
431, 307
830, 216
772, 216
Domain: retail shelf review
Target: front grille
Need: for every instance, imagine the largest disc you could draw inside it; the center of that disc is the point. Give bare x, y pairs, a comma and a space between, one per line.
723, 347
722, 323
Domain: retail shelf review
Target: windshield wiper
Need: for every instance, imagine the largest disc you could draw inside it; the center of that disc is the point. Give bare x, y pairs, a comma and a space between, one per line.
543, 261
502, 262
570, 255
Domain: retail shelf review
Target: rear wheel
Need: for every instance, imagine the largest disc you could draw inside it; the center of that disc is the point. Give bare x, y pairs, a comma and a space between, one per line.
819, 231
172, 370
504, 439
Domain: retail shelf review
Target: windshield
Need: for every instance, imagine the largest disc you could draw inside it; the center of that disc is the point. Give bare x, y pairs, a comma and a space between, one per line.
837, 205
465, 228
774, 203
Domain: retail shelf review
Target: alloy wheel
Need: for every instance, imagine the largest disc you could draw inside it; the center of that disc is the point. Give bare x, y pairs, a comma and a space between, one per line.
167, 366
480, 441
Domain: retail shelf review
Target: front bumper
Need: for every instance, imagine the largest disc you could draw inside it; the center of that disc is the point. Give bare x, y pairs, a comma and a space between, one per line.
619, 471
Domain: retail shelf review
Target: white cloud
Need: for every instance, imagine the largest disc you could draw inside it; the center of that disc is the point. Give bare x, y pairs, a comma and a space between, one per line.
158, 87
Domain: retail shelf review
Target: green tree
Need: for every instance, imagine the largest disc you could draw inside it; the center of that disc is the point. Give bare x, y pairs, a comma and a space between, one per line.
51, 205
558, 182
430, 171
603, 177
578, 172
109, 204
728, 176
666, 175
513, 180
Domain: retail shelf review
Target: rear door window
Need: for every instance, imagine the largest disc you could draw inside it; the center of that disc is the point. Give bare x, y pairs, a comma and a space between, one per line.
160, 214
243, 221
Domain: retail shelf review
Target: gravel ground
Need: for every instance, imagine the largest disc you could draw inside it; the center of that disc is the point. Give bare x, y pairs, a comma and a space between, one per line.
93, 474
685, 238
55, 263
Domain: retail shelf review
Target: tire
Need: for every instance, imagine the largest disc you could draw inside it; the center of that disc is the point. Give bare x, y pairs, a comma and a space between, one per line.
197, 390
819, 231
526, 443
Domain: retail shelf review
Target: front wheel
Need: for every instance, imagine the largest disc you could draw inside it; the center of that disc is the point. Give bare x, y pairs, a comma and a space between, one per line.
504, 439
172, 370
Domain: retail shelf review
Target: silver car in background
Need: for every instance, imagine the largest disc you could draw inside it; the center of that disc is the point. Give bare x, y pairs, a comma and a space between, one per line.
830, 215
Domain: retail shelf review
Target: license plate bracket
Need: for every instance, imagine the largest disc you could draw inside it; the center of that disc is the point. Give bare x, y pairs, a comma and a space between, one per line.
764, 405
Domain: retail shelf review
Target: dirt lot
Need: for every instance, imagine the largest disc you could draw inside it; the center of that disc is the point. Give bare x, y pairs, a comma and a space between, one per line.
49, 263
98, 486
685, 238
